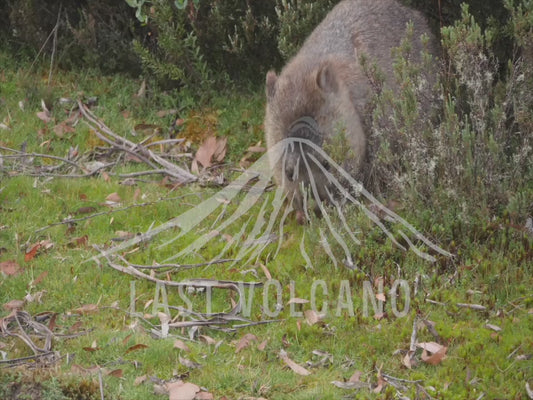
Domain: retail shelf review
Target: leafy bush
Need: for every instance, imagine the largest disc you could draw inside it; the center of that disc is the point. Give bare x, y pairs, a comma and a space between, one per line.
478, 152
92, 33
193, 42
195, 45
297, 19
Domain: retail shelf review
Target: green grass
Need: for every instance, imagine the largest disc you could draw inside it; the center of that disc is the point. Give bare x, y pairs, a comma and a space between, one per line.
493, 268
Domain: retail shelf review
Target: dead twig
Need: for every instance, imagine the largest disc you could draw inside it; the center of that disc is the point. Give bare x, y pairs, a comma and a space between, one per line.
137, 150
101, 383
211, 320
22, 154
476, 307
18, 324
431, 328
178, 267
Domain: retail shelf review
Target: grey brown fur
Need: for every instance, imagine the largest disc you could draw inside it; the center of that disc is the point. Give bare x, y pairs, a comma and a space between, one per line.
325, 80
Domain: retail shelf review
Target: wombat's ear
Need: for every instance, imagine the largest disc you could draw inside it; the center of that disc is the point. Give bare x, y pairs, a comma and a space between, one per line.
271, 79
326, 79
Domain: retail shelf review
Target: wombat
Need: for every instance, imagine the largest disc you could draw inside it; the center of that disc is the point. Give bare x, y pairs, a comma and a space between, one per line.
322, 92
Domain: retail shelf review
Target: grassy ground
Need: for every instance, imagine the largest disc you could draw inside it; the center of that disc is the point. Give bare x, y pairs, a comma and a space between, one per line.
488, 351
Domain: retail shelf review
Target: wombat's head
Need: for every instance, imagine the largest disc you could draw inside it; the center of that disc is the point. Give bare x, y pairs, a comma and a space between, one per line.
303, 90
307, 101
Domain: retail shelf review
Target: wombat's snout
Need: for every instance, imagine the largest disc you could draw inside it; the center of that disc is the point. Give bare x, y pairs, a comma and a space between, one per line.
302, 164
298, 165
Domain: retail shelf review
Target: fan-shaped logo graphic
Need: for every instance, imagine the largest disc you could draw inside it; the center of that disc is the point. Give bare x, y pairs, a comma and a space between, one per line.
259, 217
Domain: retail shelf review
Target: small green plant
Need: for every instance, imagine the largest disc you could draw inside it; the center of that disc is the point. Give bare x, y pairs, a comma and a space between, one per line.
142, 17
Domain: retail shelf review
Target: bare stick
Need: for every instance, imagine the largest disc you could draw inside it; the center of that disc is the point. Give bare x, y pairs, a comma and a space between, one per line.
147, 156
476, 307
101, 383
181, 266
414, 334
432, 330
22, 154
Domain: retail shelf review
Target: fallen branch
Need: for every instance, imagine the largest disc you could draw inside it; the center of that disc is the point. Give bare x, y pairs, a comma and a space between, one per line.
178, 267
20, 324
137, 150
476, 307
196, 319
23, 155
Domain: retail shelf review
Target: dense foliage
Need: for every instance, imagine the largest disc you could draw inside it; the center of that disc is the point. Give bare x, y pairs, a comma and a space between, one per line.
478, 145
185, 42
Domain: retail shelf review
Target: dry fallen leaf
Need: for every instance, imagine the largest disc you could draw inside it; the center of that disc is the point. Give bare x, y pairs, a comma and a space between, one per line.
220, 151
43, 244
431, 347
139, 380
529, 391
62, 128
381, 297
245, 341
30, 255
117, 373
189, 363
113, 197
381, 383
292, 365
204, 396
206, 151
136, 347
312, 317
212, 149
495, 328
87, 309
207, 339
267, 273
85, 210
182, 390
38, 280
9, 267
351, 385
180, 344
78, 369
91, 349
408, 360
261, 346
296, 300
435, 358
36, 297
14, 305
44, 116
380, 316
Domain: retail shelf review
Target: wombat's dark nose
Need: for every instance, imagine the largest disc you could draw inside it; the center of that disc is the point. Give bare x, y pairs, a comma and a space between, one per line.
289, 172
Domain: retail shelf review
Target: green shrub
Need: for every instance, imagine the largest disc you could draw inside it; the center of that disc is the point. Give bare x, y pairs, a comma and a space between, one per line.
477, 153
195, 42
297, 19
